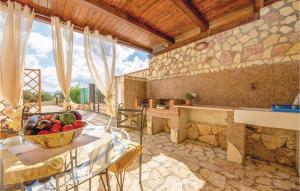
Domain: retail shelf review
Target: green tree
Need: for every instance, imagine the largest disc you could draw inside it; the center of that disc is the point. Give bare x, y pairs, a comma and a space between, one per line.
60, 96
46, 96
29, 96
75, 94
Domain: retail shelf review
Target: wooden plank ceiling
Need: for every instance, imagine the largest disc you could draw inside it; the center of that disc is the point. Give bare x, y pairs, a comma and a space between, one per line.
155, 26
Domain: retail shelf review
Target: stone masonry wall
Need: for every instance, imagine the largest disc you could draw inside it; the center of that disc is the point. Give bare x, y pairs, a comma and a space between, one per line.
253, 65
211, 134
133, 88
263, 53
275, 145
128, 88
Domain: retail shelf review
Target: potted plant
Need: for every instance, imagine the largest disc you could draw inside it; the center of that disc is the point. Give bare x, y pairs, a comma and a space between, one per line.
188, 98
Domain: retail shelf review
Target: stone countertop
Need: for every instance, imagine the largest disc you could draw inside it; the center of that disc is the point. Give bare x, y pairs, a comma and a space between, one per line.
206, 107
256, 116
267, 118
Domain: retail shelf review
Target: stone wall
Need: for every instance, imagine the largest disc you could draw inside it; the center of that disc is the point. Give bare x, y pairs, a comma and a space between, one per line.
253, 65
134, 88
211, 134
140, 73
274, 84
263, 54
128, 88
275, 145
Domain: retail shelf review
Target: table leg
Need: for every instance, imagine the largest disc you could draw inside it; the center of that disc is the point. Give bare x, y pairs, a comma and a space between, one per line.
57, 183
107, 180
298, 151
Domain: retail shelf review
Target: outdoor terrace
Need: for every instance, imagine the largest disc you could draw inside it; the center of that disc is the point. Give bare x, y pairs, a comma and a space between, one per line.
217, 108
192, 165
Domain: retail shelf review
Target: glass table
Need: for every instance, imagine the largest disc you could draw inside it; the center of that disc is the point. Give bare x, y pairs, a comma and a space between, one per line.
62, 168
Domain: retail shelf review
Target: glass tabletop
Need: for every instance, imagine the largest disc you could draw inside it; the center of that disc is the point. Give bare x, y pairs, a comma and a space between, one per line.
26, 166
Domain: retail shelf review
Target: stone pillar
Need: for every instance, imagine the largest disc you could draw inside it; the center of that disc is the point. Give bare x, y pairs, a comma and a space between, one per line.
178, 126
149, 124
236, 140
298, 152
154, 124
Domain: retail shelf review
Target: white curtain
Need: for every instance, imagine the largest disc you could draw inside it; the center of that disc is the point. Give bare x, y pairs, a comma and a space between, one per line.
15, 26
100, 53
62, 36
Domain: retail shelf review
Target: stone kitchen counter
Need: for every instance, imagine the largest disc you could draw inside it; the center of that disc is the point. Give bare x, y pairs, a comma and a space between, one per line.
256, 116
206, 107
236, 121
267, 118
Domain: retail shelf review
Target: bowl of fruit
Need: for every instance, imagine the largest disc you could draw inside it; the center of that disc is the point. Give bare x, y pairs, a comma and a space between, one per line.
53, 130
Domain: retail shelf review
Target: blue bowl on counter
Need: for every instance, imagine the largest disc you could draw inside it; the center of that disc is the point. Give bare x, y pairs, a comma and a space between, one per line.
286, 108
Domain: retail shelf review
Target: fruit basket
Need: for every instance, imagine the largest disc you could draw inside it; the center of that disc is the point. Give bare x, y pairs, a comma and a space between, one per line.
51, 130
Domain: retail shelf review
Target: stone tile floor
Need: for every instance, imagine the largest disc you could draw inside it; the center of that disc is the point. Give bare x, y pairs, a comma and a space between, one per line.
193, 166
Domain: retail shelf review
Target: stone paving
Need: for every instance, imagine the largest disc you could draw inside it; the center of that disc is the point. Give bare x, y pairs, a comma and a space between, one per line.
193, 166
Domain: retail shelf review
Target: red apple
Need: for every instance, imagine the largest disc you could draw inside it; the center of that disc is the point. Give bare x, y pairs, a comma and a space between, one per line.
43, 132
68, 128
78, 124
56, 128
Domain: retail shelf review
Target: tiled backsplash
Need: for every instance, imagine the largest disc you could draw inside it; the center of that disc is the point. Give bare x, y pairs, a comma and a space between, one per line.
273, 84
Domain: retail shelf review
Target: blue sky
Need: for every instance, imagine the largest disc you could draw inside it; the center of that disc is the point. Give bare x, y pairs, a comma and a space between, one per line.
40, 55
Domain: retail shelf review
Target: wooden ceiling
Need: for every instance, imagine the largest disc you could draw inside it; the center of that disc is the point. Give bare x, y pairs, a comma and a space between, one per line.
155, 26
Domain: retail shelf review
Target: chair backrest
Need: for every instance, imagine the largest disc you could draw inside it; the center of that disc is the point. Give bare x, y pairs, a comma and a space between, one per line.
132, 119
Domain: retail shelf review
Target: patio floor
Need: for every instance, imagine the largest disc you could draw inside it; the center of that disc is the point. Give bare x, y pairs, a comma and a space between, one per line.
192, 165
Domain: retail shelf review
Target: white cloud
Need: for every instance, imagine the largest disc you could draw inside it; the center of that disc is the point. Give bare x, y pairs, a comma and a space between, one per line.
124, 65
32, 62
40, 44
124, 52
49, 79
80, 72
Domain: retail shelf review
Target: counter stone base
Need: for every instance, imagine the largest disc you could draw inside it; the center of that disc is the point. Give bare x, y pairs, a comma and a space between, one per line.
236, 140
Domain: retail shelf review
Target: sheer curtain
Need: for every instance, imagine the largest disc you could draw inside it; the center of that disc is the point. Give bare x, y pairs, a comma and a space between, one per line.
15, 26
62, 36
100, 53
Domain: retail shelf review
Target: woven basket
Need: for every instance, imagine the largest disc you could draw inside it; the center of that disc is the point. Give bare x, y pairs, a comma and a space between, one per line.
54, 140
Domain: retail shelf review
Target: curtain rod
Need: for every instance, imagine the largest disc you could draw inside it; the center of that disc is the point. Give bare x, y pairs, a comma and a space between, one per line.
47, 19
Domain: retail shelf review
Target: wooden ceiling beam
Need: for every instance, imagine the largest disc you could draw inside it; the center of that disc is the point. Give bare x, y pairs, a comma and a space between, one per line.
258, 4
224, 22
193, 13
128, 18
